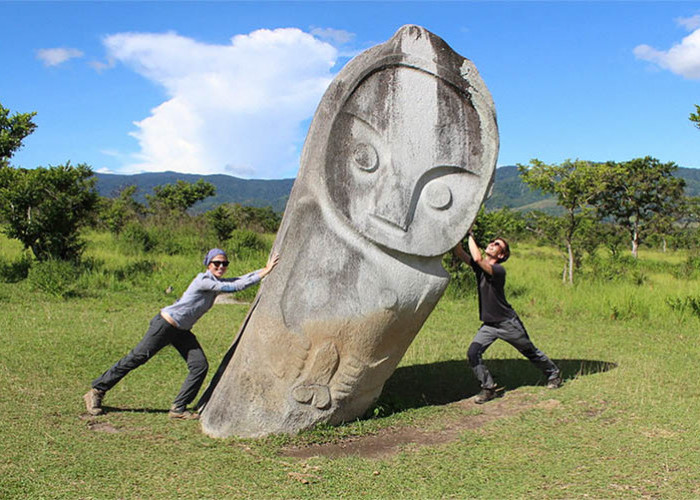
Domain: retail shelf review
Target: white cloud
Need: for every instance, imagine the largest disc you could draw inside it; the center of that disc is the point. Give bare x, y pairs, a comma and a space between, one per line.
57, 56
111, 152
100, 66
235, 108
689, 23
338, 37
682, 59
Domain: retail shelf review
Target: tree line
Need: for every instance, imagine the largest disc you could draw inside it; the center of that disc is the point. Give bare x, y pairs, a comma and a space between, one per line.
603, 204
46, 208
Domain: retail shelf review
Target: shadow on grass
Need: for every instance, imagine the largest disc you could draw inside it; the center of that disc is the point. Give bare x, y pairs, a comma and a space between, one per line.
449, 381
113, 409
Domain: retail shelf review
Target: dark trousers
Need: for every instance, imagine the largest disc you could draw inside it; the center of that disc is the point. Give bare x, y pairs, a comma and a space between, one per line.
513, 332
161, 333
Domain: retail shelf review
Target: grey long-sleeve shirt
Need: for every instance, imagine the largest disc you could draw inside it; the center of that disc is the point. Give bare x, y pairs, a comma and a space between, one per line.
200, 296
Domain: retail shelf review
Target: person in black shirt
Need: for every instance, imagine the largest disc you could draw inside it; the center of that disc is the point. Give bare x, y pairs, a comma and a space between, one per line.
500, 321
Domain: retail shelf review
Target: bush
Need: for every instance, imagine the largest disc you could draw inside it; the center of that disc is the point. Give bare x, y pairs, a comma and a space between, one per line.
174, 237
136, 239
244, 243
46, 208
683, 304
462, 278
261, 220
689, 269
134, 271
14, 271
616, 268
221, 221
54, 277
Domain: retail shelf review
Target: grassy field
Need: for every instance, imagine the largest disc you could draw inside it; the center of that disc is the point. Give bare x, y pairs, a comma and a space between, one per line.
624, 425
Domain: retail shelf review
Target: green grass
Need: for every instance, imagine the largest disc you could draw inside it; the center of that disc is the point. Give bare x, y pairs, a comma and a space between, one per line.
625, 426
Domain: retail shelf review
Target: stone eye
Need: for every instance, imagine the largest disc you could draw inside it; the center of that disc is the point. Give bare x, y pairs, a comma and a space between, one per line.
438, 195
365, 157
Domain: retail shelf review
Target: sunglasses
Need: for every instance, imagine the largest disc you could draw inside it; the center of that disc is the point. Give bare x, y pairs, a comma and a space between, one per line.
218, 263
497, 243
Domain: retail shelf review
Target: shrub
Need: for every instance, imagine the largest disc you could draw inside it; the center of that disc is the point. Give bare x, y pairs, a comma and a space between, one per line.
54, 277
221, 221
462, 278
683, 304
262, 220
616, 268
689, 269
135, 238
14, 271
134, 271
46, 208
244, 242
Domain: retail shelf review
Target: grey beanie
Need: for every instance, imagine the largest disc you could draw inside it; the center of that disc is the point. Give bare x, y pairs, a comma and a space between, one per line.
213, 253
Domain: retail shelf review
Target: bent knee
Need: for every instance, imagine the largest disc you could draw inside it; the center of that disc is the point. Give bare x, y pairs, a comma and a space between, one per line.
136, 359
474, 353
200, 365
531, 352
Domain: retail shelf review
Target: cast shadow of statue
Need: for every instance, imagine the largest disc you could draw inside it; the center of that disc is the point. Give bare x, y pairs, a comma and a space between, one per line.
449, 381
115, 409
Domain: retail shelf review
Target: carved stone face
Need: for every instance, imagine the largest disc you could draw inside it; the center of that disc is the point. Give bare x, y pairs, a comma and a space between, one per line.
404, 161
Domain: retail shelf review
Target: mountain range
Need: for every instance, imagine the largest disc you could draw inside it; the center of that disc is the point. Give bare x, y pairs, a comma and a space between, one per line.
250, 192
508, 189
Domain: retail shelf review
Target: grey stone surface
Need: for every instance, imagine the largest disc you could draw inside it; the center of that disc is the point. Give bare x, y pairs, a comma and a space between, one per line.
399, 157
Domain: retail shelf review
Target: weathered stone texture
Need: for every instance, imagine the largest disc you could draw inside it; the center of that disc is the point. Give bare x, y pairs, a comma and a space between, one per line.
399, 157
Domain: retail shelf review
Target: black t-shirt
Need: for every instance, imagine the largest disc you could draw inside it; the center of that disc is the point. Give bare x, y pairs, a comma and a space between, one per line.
493, 306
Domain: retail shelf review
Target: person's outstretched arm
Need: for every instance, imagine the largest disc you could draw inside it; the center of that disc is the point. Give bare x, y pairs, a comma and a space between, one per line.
229, 285
475, 252
461, 254
271, 263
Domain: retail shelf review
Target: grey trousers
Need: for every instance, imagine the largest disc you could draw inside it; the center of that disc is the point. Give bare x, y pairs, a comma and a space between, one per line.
513, 332
161, 333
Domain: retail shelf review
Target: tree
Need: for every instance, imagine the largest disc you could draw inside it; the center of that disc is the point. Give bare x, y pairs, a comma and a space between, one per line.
695, 117
570, 183
180, 196
115, 213
13, 130
261, 220
45, 208
221, 221
504, 223
636, 194
681, 227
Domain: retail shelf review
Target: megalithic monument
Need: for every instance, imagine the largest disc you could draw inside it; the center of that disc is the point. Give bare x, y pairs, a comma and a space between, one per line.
399, 157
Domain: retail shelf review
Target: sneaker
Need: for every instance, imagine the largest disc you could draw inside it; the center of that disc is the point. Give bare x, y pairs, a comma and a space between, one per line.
93, 402
484, 396
554, 383
182, 414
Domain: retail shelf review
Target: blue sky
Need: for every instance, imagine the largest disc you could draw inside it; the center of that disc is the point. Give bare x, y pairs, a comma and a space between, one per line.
230, 87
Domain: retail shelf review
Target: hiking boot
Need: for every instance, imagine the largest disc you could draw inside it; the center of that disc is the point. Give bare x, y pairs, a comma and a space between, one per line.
554, 383
484, 396
93, 402
182, 414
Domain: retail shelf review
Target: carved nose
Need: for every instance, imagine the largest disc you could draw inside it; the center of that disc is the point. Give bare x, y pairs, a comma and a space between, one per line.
394, 208
400, 223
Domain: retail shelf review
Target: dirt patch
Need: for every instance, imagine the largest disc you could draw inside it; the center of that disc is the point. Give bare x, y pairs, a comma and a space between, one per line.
229, 298
390, 441
102, 427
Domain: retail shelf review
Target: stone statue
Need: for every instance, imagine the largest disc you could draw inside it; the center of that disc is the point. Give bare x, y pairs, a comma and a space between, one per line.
399, 157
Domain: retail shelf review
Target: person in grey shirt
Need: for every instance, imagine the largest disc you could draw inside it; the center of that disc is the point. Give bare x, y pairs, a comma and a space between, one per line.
500, 321
172, 325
